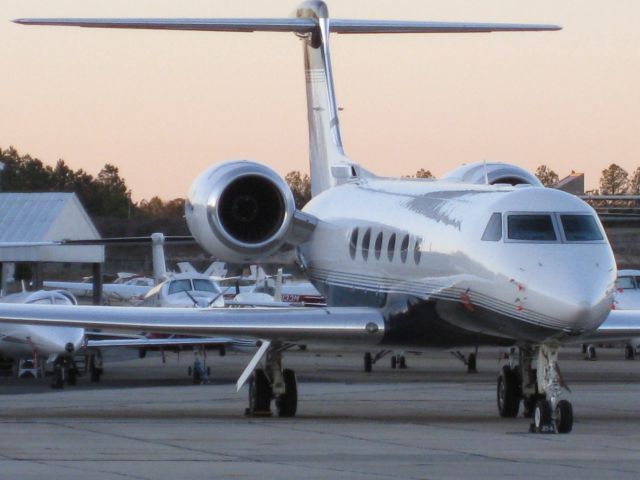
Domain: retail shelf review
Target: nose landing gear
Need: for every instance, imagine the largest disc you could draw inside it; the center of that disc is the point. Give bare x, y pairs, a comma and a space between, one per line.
540, 389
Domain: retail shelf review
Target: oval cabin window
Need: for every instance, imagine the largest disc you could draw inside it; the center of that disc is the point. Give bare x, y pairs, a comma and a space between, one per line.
391, 247
404, 248
353, 244
366, 238
378, 246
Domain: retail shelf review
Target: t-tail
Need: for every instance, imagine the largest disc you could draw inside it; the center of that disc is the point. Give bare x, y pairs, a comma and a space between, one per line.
328, 163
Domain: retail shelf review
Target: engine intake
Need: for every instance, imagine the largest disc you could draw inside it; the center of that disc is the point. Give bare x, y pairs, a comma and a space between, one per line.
251, 209
240, 211
492, 173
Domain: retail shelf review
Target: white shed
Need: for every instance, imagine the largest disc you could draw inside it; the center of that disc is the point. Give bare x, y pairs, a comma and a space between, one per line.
44, 217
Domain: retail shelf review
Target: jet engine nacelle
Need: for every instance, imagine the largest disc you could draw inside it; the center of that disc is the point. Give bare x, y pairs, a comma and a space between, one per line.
240, 211
492, 173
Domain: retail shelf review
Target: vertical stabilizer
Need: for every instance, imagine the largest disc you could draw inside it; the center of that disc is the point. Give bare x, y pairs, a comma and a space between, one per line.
328, 164
157, 254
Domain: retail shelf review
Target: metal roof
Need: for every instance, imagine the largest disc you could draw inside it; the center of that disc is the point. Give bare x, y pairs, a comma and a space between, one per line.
42, 217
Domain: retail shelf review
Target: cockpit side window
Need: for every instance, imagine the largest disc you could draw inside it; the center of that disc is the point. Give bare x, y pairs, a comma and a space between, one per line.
580, 228
493, 231
179, 286
531, 228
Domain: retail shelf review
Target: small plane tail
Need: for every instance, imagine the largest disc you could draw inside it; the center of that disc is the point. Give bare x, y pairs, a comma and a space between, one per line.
157, 254
186, 267
217, 269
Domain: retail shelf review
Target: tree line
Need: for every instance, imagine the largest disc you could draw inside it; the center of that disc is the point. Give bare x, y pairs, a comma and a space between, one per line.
107, 198
614, 180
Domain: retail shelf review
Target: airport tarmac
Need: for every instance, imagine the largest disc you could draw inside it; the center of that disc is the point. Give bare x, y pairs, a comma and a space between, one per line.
432, 420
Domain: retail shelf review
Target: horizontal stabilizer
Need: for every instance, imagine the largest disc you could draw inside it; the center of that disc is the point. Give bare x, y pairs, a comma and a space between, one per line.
296, 25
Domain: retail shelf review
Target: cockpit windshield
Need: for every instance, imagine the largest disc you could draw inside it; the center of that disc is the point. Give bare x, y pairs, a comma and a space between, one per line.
580, 228
625, 283
552, 227
531, 228
205, 286
177, 286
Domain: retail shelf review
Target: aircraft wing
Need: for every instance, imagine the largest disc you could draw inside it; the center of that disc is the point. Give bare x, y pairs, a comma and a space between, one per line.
143, 342
346, 325
296, 25
620, 325
120, 291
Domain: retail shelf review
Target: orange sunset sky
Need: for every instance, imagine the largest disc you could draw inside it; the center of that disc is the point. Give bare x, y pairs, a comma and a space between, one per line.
164, 105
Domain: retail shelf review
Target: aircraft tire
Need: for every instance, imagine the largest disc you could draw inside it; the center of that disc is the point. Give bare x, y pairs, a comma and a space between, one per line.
590, 353
564, 417
259, 393
402, 363
508, 393
58, 379
394, 361
542, 416
287, 403
368, 362
629, 352
471, 363
72, 376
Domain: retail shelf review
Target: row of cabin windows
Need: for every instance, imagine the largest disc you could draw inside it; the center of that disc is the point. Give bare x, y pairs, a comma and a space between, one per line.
365, 247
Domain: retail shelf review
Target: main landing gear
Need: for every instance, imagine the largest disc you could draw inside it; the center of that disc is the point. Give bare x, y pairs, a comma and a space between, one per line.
272, 382
469, 360
200, 372
398, 360
64, 370
540, 390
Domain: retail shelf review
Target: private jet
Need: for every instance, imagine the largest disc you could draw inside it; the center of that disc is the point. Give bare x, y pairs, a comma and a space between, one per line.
626, 297
484, 256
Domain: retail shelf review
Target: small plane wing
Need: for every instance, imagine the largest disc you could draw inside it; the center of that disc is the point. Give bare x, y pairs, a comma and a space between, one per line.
116, 290
296, 25
346, 325
620, 325
143, 342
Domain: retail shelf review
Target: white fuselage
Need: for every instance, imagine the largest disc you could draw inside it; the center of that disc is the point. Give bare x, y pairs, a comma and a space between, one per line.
24, 341
527, 290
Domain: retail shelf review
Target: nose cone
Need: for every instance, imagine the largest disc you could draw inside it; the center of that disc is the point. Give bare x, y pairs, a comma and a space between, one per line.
57, 340
587, 305
575, 290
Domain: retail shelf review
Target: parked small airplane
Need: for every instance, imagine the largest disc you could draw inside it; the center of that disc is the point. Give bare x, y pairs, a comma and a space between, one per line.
41, 346
626, 297
483, 256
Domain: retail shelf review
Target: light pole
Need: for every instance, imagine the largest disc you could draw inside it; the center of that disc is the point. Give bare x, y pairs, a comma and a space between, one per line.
1, 169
